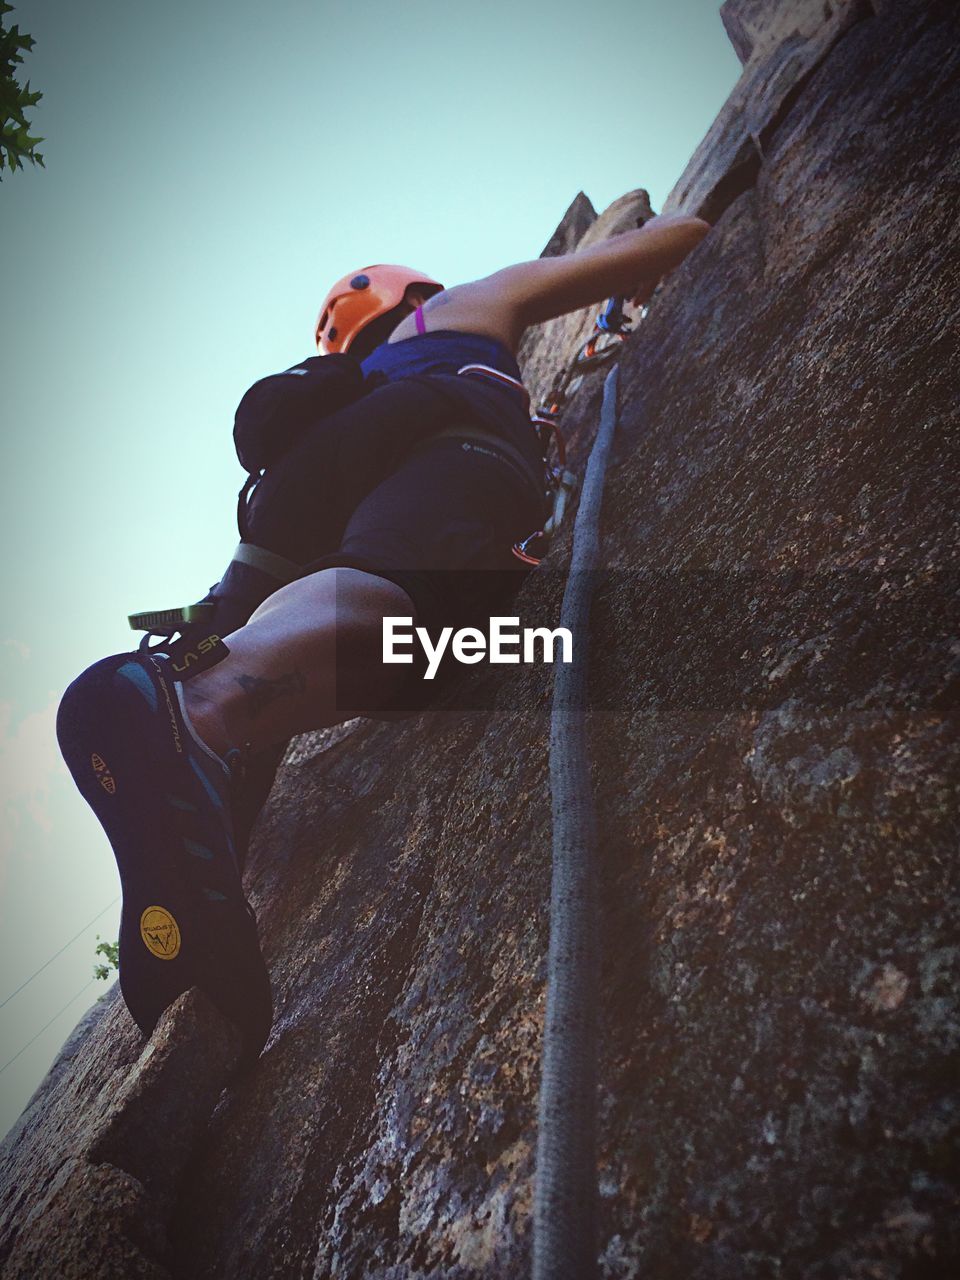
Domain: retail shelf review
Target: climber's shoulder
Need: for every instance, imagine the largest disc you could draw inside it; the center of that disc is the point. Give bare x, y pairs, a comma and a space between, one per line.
475, 307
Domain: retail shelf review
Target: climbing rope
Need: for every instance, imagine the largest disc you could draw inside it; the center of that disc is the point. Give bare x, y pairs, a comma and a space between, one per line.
564, 1223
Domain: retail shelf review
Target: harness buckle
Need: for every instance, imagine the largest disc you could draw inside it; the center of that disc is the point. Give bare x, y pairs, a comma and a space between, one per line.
162, 621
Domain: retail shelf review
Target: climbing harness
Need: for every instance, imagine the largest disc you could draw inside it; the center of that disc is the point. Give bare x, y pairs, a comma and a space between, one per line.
611, 329
564, 1222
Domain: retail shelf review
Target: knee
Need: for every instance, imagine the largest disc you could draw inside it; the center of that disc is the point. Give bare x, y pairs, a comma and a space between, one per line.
361, 602
351, 604
341, 611
356, 598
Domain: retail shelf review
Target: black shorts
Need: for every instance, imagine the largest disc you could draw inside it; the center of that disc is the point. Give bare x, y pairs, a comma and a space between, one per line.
441, 525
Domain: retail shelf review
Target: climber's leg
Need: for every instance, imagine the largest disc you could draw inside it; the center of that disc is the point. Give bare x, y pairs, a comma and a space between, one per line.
153, 755
431, 542
310, 656
154, 761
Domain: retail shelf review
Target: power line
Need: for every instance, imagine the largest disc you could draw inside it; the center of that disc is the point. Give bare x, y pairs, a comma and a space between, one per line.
88, 983
49, 962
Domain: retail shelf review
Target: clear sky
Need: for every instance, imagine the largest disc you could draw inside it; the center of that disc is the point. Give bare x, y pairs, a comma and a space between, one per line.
211, 168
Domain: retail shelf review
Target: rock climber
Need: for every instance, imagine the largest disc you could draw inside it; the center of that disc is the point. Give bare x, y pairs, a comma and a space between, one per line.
383, 484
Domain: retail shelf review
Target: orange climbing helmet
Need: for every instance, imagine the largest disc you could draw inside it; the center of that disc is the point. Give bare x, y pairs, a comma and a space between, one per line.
360, 297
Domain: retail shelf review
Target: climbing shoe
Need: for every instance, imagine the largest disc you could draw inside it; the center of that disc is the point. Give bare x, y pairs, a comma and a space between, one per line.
252, 575
164, 800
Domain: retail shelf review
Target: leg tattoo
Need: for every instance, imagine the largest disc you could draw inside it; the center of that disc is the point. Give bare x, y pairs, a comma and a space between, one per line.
260, 693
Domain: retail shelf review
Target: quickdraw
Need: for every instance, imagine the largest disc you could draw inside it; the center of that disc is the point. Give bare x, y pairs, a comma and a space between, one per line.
601, 348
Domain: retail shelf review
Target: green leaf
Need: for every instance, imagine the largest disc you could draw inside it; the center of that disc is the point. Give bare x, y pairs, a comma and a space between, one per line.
16, 142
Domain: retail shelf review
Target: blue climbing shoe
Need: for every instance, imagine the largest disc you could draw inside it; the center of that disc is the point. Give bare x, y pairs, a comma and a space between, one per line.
164, 800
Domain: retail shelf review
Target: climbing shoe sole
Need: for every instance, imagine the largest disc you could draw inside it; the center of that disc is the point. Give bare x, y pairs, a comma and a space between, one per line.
164, 804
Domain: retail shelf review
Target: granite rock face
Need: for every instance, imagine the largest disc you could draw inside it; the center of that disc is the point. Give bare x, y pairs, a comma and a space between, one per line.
757, 27
775, 739
574, 224
782, 42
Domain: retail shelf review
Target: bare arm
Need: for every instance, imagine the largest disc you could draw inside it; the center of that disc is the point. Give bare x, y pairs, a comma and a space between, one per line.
630, 265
